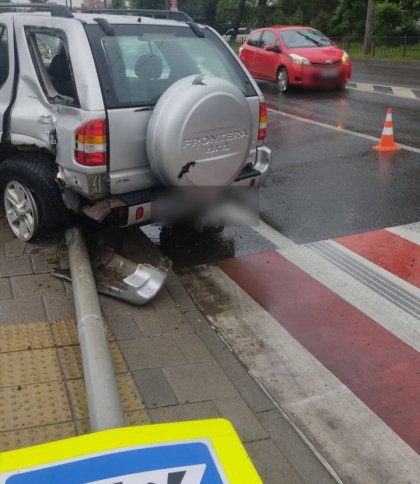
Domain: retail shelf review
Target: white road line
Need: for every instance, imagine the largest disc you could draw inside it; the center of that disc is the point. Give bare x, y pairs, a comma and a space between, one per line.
397, 91
409, 232
272, 235
361, 86
338, 129
391, 317
404, 92
350, 436
365, 298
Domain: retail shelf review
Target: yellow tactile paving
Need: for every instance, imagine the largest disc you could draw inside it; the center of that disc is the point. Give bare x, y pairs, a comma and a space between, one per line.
33, 405
130, 398
16, 439
137, 417
16, 337
32, 366
71, 361
65, 332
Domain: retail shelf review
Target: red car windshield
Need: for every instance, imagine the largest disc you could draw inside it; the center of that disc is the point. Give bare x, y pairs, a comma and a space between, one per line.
304, 38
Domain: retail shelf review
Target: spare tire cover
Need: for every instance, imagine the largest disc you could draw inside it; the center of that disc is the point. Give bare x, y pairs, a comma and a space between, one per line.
199, 133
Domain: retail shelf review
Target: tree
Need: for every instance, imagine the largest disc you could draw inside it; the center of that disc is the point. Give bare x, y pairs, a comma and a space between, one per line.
118, 4
153, 4
238, 20
370, 23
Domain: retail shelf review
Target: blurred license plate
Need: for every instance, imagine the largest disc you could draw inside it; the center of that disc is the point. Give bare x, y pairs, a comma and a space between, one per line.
329, 74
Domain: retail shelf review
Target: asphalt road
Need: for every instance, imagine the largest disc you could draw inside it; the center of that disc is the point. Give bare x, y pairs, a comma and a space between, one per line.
323, 182
404, 73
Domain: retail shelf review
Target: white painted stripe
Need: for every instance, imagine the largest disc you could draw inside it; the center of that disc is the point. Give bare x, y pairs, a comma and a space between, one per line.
397, 91
361, 86
409, 232
275, 237
403, 325
387, 131
364, 298
339, 130
403, 92
357, 443
388, 117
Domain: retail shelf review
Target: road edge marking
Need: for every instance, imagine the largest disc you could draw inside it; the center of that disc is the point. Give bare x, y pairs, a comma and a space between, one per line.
338, 129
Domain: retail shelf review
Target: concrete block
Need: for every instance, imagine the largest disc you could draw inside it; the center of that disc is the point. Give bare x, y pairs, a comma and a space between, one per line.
179, 413
192, 348
249, 389
15, 266
245, 422
153, 352
37, 285
5, 288
22, 310
154, 388
297, 452
163, 300
59, 307
165, 321
44, 262
271, 464
199, 382
15, 248
122, 317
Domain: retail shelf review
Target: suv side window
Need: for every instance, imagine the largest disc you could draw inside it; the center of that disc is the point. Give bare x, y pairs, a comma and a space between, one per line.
268, 38
52, 64
254, 40
4, 55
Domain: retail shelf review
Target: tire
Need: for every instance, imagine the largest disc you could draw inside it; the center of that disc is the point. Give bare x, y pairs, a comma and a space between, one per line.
30, 195
282, 79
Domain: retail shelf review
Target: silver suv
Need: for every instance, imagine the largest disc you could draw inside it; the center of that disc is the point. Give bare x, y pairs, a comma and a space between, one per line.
99, 113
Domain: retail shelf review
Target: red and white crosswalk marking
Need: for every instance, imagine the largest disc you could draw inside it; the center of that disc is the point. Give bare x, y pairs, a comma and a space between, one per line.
332, 331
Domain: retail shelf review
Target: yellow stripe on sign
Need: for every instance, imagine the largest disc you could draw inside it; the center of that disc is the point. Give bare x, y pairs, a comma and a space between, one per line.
228, 448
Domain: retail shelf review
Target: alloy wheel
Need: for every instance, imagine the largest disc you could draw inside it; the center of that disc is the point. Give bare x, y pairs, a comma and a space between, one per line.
21, 210
282, 80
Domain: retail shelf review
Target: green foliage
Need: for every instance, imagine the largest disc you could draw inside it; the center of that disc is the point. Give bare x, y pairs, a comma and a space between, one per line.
392, 18
154, 4
118, 4
333, 17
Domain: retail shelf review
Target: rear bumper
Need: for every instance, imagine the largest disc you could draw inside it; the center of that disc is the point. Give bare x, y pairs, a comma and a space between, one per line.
139, 204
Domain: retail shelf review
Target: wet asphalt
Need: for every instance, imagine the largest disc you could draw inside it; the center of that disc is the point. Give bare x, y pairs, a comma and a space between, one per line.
324, 183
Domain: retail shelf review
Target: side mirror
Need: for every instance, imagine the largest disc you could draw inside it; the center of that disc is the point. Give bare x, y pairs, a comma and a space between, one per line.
272, 48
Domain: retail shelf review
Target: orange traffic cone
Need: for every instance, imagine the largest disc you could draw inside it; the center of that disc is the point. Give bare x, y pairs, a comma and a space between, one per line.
387, 139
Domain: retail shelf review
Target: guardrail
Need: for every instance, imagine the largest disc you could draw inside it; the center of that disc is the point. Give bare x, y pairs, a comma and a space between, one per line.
403, 46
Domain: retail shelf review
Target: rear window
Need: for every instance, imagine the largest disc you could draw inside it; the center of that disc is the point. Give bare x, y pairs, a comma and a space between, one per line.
304, 38
139, 63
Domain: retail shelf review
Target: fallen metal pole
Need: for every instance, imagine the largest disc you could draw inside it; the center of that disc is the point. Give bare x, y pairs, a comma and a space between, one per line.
104, 404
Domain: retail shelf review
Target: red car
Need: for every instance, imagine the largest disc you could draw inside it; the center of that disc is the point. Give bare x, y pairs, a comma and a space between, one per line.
295, 56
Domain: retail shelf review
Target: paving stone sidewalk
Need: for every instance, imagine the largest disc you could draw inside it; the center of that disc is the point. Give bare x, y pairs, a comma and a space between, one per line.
170, 363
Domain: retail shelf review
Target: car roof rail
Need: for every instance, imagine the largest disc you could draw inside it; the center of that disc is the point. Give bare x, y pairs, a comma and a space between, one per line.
143, 12
56, 10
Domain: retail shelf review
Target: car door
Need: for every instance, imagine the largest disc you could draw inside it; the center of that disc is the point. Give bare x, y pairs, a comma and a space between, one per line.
267, 61
7, 68
249, 51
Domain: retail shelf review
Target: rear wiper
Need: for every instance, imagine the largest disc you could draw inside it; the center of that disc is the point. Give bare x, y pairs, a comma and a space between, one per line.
319, 44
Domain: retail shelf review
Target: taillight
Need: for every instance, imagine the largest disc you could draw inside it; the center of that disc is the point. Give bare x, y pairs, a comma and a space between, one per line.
262, 131
90, 143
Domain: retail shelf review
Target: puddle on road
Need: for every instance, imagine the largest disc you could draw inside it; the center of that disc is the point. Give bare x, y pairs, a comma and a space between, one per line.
188, 248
